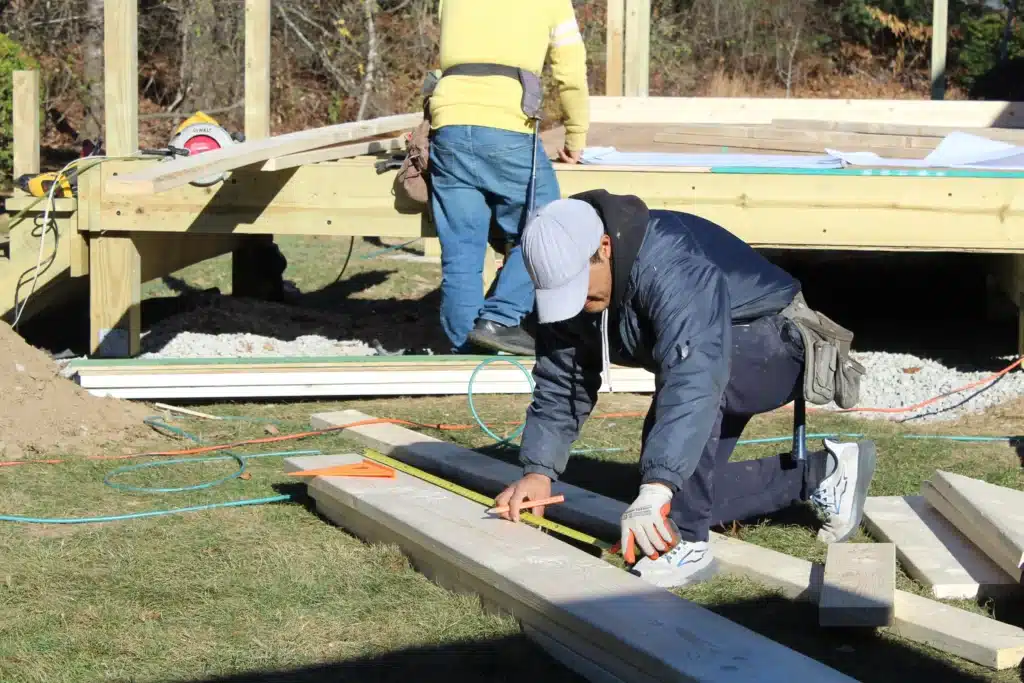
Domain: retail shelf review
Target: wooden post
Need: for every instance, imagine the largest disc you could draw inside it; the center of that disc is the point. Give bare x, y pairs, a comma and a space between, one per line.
252, 272
613, 64
940, 14
257, 69
638, 47
25, 124
115, 268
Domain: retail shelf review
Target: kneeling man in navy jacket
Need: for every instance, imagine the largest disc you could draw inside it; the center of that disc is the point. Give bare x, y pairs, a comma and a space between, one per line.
725, 333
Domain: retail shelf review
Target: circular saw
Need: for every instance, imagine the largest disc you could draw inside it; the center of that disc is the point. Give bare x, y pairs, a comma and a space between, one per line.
201, 133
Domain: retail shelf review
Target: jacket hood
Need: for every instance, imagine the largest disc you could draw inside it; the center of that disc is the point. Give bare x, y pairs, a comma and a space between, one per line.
625, 219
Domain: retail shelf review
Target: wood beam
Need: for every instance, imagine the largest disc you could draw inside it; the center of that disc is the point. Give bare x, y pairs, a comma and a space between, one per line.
326, 154
114, 261
614, 65
170, 174
763, 110
859, 586
25, 127
630, 629
933, 552
972, 636
637, 48
257, 69
991, 516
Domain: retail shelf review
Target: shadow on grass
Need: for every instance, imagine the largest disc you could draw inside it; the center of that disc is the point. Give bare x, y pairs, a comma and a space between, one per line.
509, 660
861, 654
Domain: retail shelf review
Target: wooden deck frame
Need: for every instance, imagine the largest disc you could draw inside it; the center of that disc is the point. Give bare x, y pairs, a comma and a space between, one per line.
772, 210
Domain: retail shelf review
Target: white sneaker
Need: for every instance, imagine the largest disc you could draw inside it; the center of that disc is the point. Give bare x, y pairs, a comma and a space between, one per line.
839, 500
686, 563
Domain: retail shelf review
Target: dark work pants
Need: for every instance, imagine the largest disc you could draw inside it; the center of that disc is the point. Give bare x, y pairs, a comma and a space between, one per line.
767, 373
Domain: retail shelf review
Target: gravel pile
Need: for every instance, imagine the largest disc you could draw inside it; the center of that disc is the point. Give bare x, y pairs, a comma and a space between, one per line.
896, 380
223, 329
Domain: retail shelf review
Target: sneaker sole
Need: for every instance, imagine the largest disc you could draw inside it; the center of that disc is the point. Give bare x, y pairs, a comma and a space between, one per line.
704, 574
866, 458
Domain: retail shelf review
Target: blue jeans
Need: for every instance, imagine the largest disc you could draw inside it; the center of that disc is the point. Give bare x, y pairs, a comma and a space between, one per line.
480, 175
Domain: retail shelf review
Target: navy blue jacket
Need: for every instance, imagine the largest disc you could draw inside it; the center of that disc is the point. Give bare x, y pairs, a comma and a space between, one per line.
679, 282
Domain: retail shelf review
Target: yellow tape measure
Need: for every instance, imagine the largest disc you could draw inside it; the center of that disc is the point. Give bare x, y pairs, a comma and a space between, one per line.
527, 517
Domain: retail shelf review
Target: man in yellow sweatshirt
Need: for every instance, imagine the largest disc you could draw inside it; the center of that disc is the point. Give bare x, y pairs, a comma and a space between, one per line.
482, 152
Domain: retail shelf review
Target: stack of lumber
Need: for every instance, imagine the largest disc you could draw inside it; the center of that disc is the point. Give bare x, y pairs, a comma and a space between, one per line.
600, 621
780, 136
276, 153
962, 538
212, 378
969, 635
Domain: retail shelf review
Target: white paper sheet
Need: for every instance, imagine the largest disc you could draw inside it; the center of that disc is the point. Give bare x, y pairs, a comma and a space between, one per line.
956, 150
609, 156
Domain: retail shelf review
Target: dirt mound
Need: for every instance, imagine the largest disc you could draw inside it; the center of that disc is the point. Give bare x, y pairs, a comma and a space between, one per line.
44, 414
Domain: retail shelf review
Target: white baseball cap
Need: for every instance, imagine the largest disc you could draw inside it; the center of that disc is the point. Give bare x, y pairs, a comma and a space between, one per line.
557, 244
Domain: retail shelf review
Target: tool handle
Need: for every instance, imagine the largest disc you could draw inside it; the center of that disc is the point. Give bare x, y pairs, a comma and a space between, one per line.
530, 504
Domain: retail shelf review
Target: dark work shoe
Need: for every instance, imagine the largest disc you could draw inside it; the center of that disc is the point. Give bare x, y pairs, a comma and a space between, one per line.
497, 337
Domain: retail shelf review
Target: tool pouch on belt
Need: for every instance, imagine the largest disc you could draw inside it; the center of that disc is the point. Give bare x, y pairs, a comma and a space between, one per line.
411, 186
829, 372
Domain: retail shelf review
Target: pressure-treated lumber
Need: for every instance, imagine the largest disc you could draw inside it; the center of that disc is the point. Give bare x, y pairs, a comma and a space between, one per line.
749, 110
991, 516
911, 130
783, 145
932, 551
25, 124
828, 211
639, 632
971, 636
115, 268
170, 174
859, 585
257, 69
615, 21
317, 156
339, 378
637, 48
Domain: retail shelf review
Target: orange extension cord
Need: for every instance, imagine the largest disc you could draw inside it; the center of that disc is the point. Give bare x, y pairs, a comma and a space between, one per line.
462, 427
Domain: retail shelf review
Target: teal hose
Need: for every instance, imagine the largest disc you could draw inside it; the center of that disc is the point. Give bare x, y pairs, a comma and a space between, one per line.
156, 423
241, 460
504, 441
138, 515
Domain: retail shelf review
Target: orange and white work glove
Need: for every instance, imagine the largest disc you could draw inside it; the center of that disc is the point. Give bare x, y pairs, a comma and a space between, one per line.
646, 522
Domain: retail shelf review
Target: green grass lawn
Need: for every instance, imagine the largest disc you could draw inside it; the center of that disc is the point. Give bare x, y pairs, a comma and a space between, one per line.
273, 592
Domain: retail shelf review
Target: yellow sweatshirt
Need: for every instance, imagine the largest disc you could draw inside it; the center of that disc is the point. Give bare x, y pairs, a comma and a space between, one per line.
517, 33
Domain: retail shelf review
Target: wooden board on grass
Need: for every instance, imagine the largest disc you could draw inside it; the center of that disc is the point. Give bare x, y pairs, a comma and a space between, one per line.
166, 175
932, 550
974, 637
991, 516
603, 614
859, 586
